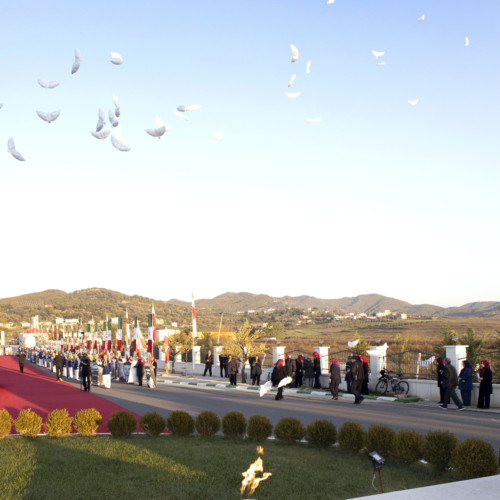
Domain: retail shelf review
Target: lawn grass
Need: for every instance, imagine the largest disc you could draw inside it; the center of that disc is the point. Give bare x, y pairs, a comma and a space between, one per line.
184, 468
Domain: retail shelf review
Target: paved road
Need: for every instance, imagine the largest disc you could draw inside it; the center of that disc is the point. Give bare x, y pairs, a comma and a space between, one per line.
421, 417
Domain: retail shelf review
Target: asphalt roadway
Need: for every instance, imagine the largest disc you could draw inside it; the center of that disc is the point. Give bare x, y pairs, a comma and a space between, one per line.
422, 417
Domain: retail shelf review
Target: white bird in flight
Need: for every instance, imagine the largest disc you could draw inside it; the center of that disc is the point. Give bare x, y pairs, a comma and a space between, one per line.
413, 102
117, 106
313, 120
295, 53
292, 95
112, 119
49, 116
103, 134
218, 136
291, 80
159, 123
116, 58
100, 121
156, 132
181, 115
352, 344
48, 84
119, 145
1, 106
191, 107
466, 41
11, 148
421, 18
377, 55
78, 60
308, 67
330, 2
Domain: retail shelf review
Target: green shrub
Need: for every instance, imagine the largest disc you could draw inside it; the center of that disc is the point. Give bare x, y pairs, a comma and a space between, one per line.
58, 423
351, 437
474, 458
234, 424
180, 423
438, 447
380, 438
207, 423
87, 421
152, 423
408, 446
28, 423
289, 430
259, 427
321, 433
5, 423
122, 423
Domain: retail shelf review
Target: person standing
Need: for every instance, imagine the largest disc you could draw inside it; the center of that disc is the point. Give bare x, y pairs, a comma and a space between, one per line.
22, 357
279, 373
441, 381
485, 385
140, 369
465, 382
316, 370
451, 380
334, 378
209, 361
299, 373
291, 368
256, 371
366, 374
86, 371
308, 372
223, 365
357, 373
106, 371
59, 360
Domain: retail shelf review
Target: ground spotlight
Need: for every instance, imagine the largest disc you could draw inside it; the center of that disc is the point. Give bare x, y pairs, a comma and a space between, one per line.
377, 462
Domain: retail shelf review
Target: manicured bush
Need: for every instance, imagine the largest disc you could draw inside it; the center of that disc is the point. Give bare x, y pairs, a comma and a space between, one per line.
5, 423
58, 423
87, 421
474, 458
380, 438
321, 433
408, 446
180, 423
122, 423
259, 427
28, 423
152, 423
207, 423
234, 424
438, 447
289, 430
351, 437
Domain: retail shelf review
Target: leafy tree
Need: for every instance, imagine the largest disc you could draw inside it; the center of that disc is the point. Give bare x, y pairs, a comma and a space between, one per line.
474, 346
274, 329
245, 344
450, 337
179, 343
361, 347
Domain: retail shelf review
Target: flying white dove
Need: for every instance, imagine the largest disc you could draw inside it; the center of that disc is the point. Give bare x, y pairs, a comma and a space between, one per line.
100, 121
352, 344
421, 18
218, 136
49, 116
117, 106
330, 2
308, 67
112, 119
377, 55
292, 95
48, 84
295, 53
156, 132
103, 134
116, 58
264, 389
466, 41
413, 102
118, 134
119, 145
159, 124
284, 382
291, 80
11, 148
313, 120
180, 115
78, 60
191, 107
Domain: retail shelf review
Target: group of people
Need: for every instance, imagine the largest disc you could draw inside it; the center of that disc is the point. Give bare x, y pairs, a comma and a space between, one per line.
448, 381
105, 366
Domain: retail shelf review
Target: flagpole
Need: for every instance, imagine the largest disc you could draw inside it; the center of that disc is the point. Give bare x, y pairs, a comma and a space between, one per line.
220, 326
195, 334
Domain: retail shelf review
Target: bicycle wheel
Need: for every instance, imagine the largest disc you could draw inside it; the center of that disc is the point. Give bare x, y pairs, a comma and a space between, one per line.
381, 387
403, 387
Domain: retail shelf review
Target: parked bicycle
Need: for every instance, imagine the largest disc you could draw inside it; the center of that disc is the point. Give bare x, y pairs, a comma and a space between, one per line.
395, 384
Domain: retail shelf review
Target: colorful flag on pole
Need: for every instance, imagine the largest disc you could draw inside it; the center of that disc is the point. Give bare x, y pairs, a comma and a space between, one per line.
166, 344
134, 339
119, 336
154, 322
104, 335
89, 337
109, 335
150, 333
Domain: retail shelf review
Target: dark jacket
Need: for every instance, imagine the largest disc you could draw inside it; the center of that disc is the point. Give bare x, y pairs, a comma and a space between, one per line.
59, 360
441, 380
279, 373
450, 374
357, 370
209, 360
465, 382
486, 385
257, 368
291, 367
334, 373
22, 357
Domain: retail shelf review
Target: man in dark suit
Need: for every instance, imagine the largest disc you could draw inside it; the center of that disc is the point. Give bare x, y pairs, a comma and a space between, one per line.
85, 371
59, 360
22, 357
209, 361
223, 365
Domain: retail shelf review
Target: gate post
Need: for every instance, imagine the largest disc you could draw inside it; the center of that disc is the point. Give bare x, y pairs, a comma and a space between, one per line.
377, 362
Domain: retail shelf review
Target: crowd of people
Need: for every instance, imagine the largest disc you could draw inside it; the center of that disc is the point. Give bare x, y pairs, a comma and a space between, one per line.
92, 368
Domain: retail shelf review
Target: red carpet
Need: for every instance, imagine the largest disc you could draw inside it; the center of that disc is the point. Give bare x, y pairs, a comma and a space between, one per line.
38, 390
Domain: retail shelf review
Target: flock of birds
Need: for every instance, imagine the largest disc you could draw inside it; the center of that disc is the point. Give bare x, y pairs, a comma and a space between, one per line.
161, 128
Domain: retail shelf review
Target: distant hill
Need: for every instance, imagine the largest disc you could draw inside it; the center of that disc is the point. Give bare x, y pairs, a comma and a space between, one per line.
100, 302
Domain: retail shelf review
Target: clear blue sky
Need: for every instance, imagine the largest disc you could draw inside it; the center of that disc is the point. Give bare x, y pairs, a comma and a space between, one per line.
378, 197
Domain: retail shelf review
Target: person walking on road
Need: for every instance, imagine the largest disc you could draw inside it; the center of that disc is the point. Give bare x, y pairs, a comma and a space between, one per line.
357, 379
441, 381
279, 373
86, 371
334, 378
451, 381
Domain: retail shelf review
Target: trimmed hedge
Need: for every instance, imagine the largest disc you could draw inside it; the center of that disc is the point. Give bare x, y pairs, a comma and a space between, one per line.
28, 423
152, 423
87, 421
207, 423
289, 430
380, 438
180, 423
474, 458
5, 423
351, 437
321, 433
122, 423
58, 423
438, 447
259, 427
408, 446
234, 424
